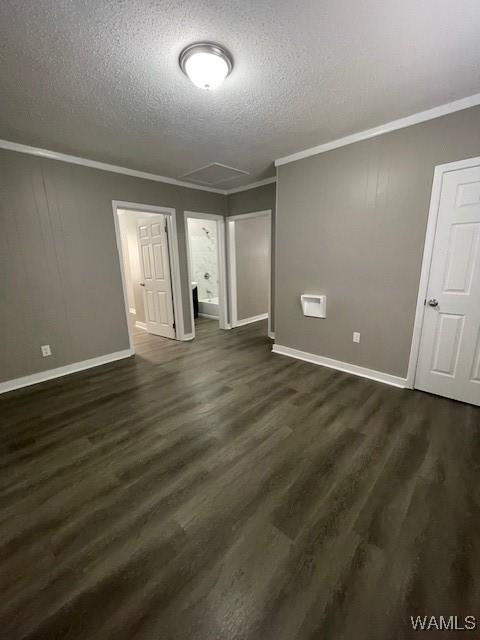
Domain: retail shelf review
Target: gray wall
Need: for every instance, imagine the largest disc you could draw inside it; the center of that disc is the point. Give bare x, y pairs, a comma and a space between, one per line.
351, 224
258, 199
252, 252
59, 266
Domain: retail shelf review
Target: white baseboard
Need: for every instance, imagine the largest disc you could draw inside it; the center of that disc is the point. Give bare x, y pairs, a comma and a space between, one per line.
207, 315
140, 325
271, 335
50, 374
186, 337
378, 376
240, 323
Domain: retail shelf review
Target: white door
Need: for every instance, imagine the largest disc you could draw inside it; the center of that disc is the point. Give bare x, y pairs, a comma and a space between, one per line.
155, 268
449, 360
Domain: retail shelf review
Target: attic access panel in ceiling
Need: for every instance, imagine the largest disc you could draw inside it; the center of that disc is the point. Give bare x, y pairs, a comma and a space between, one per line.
214, 174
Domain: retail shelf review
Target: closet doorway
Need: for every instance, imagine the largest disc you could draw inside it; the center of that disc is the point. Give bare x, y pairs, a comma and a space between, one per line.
249, 251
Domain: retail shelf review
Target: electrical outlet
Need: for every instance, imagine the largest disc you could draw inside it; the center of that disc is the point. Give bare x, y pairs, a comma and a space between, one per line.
356, 336
46, 351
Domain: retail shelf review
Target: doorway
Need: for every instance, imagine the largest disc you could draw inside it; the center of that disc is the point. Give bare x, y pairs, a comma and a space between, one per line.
205, 242
249, 251
148, 252
448, 310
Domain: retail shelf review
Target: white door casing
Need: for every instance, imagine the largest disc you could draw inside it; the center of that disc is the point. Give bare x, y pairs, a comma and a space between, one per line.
155, 267
449, 355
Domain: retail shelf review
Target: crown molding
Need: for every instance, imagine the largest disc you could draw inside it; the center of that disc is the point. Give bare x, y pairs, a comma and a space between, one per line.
252, 185
408, 121
103, 166
394, 125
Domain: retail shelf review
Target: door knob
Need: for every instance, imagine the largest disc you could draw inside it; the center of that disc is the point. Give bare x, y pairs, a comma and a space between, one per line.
433, 303
142, 284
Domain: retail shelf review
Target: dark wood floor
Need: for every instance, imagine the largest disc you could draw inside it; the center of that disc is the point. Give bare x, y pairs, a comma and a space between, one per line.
215, 491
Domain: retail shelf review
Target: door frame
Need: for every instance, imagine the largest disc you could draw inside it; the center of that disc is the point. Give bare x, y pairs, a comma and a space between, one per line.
438, 174
222, 280
232, 270
170, 216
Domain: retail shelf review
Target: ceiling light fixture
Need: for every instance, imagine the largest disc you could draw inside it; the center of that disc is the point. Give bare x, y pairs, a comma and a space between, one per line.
206, 64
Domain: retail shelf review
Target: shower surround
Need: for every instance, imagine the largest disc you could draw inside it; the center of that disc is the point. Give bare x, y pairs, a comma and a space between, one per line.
202, 235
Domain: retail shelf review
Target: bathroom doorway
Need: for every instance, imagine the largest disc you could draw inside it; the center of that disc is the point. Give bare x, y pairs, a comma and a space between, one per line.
205, 240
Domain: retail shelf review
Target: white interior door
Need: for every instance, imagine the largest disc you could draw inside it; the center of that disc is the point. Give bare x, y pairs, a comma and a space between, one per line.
155, 267
449, 359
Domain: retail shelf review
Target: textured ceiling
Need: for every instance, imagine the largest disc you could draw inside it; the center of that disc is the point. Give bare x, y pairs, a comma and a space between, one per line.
100, 79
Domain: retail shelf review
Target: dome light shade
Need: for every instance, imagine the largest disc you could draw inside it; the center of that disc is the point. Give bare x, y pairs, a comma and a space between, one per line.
206, 64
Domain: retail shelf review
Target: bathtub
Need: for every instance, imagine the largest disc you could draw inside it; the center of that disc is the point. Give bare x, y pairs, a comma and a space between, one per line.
208, 307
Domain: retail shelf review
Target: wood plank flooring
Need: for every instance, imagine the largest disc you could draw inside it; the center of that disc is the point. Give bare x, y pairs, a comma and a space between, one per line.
214, 491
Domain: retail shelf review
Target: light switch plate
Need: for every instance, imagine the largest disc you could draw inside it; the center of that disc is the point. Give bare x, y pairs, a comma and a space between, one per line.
356, 336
